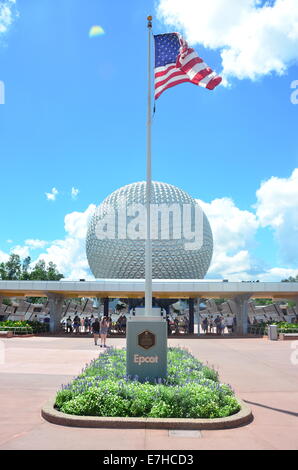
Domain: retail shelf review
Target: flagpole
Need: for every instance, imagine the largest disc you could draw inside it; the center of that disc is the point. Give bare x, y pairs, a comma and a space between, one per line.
148, 245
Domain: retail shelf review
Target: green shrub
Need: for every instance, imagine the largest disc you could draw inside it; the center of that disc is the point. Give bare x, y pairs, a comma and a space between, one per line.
81, 405
160, 409
191, 390
38, 327
62, 397
210, 374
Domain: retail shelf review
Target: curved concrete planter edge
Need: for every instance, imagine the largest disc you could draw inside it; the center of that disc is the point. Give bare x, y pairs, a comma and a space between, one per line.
51, 414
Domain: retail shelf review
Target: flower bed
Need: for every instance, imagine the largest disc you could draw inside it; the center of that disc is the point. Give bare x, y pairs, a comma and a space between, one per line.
191, 390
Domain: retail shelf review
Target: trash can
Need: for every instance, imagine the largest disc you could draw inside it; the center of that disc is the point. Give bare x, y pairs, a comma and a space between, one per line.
272, 332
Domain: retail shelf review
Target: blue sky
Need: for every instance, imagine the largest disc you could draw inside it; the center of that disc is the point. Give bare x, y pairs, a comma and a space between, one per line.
75, 115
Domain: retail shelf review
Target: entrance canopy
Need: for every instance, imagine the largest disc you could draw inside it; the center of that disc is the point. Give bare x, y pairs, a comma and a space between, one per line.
161, 288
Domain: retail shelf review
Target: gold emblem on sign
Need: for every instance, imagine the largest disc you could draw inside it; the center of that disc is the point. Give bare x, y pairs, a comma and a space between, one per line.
146, 339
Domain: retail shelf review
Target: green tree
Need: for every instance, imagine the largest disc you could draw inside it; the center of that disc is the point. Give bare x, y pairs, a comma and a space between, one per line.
291, 279
39, 272
3, 271
12, 269
15, 269
52, 273
25, 276
42, 272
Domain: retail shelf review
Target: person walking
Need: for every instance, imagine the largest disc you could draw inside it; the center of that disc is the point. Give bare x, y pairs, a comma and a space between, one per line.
82, 324
217, 322
86, 325
234, 329
168, 324
95, 330
211, 324
76, 324
205, 325
123, 324
229, 321
68, 325
222, 325
104, 327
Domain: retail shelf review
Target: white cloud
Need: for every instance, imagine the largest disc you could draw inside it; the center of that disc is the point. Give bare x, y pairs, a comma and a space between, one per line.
74, 193
35, 244
22, 251
76, 223
69, 254
8, 13
232, 227
255, 38
235, 266
3, 257
277, 207
277, 274
234, 232
52, 195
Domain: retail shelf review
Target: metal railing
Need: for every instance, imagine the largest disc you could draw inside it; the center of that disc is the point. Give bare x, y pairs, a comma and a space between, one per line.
25, 330
288, 330
257, 330
263, 330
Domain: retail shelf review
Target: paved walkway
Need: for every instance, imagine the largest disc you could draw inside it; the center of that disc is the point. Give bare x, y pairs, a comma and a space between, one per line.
260, 371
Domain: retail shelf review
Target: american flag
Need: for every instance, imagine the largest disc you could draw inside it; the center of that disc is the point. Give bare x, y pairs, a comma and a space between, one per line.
176, 63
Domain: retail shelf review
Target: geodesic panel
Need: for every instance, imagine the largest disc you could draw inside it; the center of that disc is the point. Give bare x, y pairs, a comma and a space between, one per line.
119, 257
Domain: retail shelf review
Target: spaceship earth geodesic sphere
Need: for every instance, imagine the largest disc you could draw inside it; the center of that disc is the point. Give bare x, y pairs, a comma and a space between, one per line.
118, 258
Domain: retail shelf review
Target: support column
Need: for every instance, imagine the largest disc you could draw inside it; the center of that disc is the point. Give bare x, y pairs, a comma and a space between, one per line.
55, 306
295, 299
1, 299
97, 302
191, 316
106, 306
241, 302
198, 315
